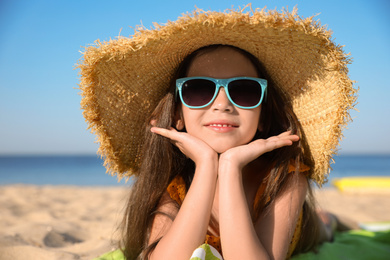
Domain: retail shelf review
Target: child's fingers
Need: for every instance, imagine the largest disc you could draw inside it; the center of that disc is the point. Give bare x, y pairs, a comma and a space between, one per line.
168, 133
275, 142
187, 144
247, 153
172, 134
288, 134
271, 145
283, 137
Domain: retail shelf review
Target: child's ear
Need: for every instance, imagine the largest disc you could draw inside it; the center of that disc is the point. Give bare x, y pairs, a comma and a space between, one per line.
180, 124
179, 120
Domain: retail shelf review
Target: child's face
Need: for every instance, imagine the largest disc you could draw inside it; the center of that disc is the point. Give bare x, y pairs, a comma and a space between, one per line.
221, 124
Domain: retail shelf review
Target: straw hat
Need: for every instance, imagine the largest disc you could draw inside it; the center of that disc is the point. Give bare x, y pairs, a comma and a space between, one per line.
122, 80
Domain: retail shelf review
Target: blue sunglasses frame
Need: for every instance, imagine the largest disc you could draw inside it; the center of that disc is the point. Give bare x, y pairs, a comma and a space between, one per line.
218, 84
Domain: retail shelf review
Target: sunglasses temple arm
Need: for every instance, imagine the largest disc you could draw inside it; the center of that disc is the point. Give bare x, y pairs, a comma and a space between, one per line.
176, 94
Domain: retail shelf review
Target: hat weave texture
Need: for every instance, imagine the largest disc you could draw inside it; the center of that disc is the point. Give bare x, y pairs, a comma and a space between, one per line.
122, 80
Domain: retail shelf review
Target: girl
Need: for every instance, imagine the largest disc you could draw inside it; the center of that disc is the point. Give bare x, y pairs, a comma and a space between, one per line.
245, 111
229, 169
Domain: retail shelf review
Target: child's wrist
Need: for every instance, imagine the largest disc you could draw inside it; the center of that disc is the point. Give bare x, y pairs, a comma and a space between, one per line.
205, 159
228, 161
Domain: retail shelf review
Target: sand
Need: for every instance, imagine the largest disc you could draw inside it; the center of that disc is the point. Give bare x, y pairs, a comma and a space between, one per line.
55, 222
66, 222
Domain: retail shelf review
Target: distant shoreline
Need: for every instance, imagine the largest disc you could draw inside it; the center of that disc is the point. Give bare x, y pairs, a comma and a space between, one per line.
88, 170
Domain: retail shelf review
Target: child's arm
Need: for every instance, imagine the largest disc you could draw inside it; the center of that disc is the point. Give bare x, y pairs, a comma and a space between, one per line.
188, 230
276, 229
239, 237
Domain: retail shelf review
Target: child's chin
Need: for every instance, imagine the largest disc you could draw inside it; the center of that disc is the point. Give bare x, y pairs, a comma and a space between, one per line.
222, 149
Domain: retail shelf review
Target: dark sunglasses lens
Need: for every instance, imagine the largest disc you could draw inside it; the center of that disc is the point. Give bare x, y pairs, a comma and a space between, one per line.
245, 92
198, 92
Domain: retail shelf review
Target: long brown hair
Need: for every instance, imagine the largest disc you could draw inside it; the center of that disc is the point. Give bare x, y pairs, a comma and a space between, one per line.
162, 161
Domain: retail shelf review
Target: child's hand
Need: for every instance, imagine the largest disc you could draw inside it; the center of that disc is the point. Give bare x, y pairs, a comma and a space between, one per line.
194, 148
244, 154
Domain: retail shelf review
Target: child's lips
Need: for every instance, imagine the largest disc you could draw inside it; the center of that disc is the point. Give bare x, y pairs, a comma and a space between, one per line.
222, 127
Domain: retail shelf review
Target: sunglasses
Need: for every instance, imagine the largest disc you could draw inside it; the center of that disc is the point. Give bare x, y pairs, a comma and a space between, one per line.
243, 92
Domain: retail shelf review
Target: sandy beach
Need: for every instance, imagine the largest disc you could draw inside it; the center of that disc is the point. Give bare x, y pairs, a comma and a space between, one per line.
72, 222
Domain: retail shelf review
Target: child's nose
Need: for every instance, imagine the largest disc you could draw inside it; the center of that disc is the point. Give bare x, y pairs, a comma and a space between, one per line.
222, 102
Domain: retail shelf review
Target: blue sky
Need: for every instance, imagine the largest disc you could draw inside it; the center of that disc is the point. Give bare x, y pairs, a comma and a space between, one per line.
40, 43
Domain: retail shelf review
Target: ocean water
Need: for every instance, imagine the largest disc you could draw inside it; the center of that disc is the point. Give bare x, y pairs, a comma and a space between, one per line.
56, 170
89, 170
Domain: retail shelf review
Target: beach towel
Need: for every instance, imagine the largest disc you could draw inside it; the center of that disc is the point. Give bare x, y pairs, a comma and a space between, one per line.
206, 252
355, 244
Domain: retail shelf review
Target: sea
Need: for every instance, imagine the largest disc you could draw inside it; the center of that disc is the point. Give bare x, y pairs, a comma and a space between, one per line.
88, 170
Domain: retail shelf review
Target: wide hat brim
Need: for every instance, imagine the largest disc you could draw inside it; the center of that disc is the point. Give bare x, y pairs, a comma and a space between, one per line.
122, 80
